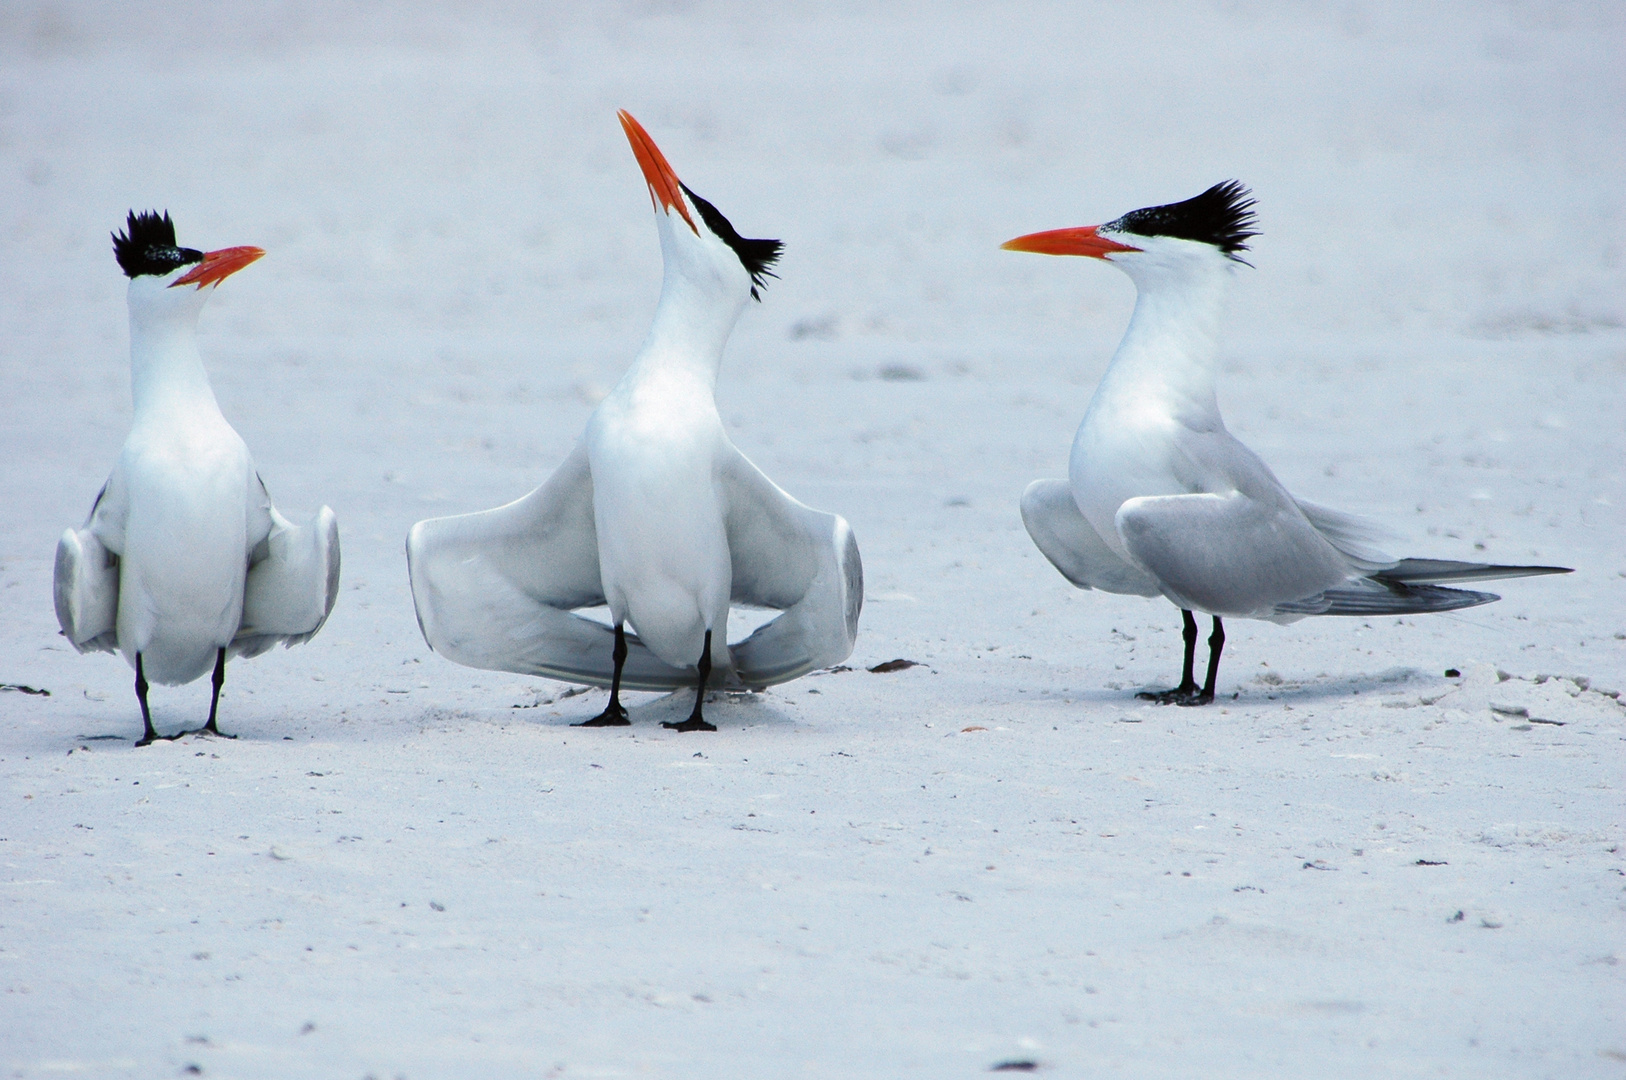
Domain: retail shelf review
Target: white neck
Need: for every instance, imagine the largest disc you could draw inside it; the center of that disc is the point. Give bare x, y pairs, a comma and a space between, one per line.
166, 372
1167, 352
703, 290
690, 329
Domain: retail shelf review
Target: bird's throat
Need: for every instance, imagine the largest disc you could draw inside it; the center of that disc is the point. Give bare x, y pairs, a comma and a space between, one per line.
688, 333
1167, 354
166, 372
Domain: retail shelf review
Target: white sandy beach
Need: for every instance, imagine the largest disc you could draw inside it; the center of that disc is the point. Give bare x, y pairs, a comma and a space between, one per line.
1351, 865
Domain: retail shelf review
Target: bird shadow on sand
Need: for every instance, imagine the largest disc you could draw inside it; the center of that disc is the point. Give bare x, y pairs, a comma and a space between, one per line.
63, 742
1323, 688
725, 708
1271, 688
647, 711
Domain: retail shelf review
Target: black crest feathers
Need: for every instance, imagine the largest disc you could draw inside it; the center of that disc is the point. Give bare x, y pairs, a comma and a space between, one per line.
147, 246
757, 255
1222, 216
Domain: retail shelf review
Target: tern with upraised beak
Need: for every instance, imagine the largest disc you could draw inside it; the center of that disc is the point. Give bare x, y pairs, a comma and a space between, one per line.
655, 514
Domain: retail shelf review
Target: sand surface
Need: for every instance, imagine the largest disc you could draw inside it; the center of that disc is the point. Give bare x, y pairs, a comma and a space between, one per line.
1351, 866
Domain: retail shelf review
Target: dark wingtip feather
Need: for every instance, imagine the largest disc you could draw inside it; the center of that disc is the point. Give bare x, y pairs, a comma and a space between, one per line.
1433, 571
1387, 598
1410, 587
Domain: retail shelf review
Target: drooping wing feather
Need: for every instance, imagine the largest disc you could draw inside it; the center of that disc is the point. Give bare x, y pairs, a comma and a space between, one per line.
293, 581
495, 590
1073, 546
1375, 596
1229, 554
87, 591
799, 560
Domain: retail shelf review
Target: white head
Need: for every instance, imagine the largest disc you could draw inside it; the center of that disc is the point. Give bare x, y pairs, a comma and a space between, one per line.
168, 282
1177, 242
704, 256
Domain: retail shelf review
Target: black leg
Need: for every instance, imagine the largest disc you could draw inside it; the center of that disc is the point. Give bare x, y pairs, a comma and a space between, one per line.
696, 722
1188, 681
1216, 645
615, 713
149, 734
1188, 671
214, 702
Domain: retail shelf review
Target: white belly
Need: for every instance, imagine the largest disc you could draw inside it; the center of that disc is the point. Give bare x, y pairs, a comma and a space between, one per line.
663, 545
185, 558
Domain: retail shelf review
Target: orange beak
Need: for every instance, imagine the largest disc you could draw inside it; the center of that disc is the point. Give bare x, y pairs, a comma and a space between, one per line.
1082, 241
664, 190
217, 266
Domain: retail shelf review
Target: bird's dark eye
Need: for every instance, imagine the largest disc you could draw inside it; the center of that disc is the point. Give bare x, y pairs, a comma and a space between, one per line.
164, 260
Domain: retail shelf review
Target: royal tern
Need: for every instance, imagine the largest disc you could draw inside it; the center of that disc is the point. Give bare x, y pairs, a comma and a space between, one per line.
655, 513
183, 560
1161, 500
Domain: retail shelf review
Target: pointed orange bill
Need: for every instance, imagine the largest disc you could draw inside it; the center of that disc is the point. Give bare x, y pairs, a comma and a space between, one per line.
1083, 241
217, 266
664, 190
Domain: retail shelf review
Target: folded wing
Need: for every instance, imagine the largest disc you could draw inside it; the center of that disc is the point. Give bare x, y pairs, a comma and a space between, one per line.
293, 581
87, 592
797, 560
1072, 545
1230, 554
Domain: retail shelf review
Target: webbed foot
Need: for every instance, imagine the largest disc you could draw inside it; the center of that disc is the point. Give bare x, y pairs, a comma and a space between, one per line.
693, 723
1180, 695
614, 715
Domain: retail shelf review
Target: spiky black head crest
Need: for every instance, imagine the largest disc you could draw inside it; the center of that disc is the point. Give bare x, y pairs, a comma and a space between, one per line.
1222, 216
757, 255
147, 246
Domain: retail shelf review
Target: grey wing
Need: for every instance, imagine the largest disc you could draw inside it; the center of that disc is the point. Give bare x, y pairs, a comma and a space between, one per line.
496, 590
1434, 571
798, 560
1353, 536
1072, 545
1377, 595
293, 581
1230, 554
1412, 586
87, 591
1216, 462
